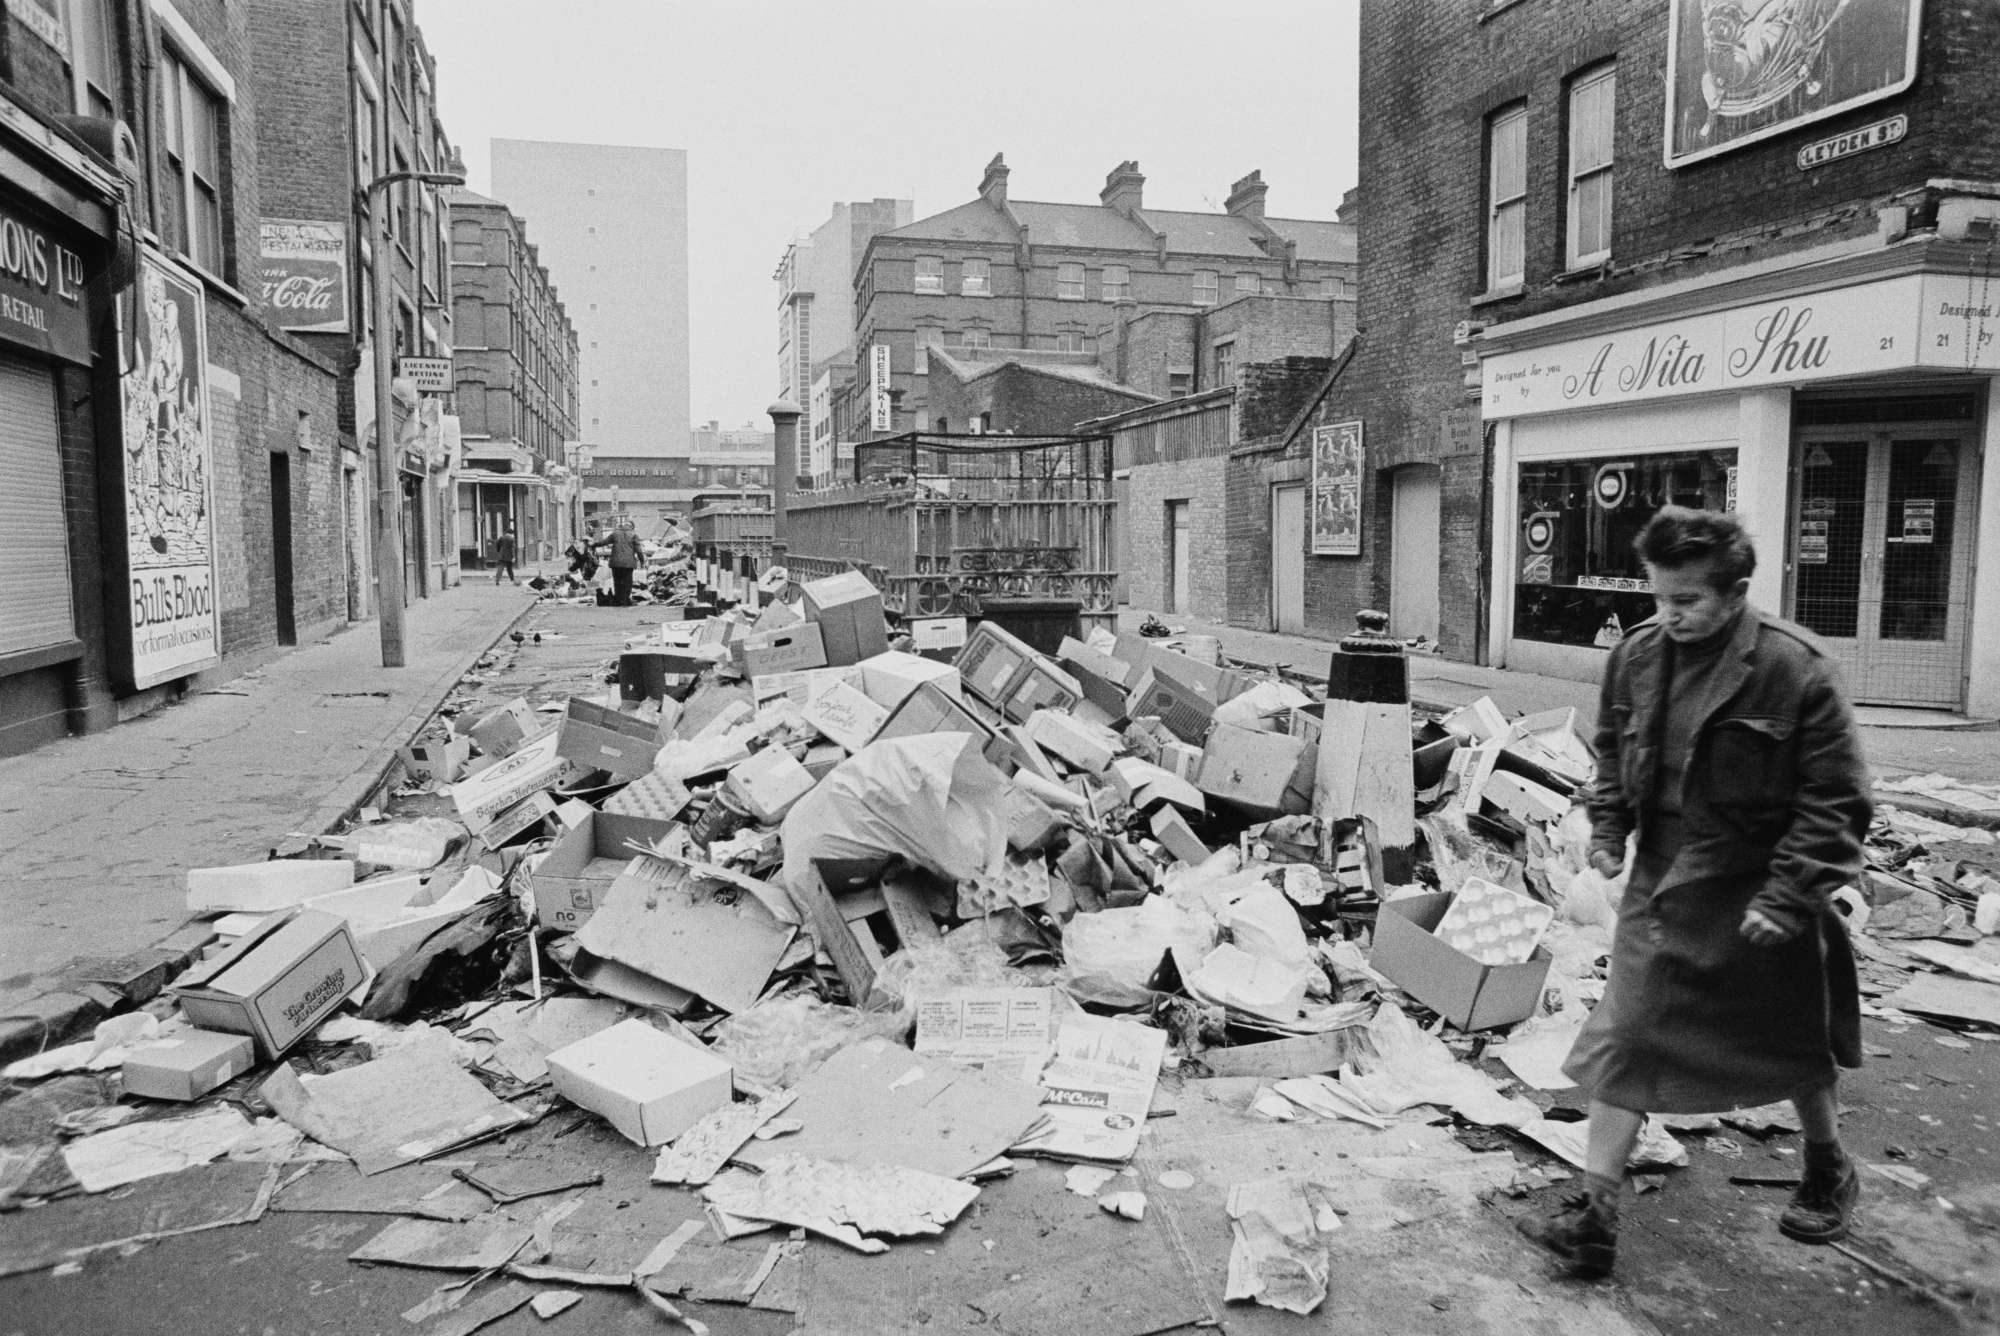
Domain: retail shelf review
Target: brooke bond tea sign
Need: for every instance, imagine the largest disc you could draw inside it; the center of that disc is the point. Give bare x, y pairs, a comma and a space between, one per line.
169, 541
305, 274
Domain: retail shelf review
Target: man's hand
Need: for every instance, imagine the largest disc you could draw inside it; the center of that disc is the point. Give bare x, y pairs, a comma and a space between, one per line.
1761, 930
1608, 864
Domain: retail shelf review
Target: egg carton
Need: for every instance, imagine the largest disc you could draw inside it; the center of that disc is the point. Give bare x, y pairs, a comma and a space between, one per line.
651, 795
1493, 924
1008, 884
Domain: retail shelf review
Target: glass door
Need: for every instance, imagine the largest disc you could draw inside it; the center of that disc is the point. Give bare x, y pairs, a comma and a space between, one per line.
1880, 557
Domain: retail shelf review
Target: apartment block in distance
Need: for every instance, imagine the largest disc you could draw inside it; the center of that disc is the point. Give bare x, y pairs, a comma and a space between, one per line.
516, 370
611, 223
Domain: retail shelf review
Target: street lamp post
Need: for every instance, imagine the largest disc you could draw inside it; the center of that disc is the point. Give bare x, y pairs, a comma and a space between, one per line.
389, 500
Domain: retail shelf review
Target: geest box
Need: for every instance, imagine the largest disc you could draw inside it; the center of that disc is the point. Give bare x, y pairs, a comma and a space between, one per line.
1470, 995
577, 872
848, 610
277, 981
597, 737
788, 649
187, 1065
498, 787
648, 1085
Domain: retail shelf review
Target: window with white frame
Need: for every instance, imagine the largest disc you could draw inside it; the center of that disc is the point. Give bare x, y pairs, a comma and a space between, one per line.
1072, 341
930, 274
1117, 282
1506, 198
1069, 282
926, 336
975, 277
194, 163
1225, 363
978, 338
1592, 99
1249, 284
93, 58
1207, 287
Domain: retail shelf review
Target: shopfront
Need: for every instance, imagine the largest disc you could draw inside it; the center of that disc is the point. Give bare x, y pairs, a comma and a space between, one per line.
1843, 417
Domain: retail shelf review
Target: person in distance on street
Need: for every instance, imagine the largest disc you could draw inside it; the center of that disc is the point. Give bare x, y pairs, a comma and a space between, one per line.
1725, 741
625, 557
503, 556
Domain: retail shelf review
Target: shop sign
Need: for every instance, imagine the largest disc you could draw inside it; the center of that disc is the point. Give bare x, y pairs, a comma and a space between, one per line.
1538, 569
427, 375
1623, 584
305, 273
1919, 520
1336, 490
1736, 77
175, 626
1880, 134
1898, 324
42, 291
882, 418
1538, 534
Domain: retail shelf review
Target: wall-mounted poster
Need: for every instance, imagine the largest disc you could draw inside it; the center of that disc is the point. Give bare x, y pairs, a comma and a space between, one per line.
169, 542
1336, 485
1743, 70
305, 273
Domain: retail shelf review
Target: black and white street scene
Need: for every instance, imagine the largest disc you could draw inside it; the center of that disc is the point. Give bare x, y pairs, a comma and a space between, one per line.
1367, 703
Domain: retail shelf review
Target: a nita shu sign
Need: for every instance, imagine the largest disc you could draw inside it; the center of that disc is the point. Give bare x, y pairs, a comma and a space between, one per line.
1934, 321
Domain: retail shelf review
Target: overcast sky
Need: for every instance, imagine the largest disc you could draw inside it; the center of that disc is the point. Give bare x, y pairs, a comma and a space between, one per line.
785, 106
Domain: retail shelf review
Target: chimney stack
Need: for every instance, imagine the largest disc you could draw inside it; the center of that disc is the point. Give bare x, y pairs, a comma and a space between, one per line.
1246, 197
993, 186
1124, 189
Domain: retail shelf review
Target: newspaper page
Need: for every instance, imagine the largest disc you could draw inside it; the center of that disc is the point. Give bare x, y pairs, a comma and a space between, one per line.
1097, 1088
1004, 1027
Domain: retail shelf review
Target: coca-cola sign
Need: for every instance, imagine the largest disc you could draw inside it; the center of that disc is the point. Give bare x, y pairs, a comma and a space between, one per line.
305, 274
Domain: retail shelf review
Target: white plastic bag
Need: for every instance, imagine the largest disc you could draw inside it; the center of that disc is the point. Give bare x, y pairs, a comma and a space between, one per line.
1264, 924
1252, 709
1109, 955
931, 798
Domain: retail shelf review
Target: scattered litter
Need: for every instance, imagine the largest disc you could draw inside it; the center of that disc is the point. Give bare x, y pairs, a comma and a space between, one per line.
1278, 1257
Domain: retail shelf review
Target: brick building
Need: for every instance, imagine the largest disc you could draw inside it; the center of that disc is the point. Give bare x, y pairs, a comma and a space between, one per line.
346, 92
1019, 392
725, 466
178, 518
516, 370
1765, 292
1019, 274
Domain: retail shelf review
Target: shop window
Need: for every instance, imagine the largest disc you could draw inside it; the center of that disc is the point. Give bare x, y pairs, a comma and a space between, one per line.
1577, 579
1591, 100
1506, 198
1207, 287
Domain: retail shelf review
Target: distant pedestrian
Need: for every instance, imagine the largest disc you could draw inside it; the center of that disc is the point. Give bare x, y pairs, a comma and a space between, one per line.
623, 546
1725, 741
582, 560
503, 556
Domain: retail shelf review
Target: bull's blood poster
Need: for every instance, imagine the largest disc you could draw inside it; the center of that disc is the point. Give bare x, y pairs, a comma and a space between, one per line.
169, 541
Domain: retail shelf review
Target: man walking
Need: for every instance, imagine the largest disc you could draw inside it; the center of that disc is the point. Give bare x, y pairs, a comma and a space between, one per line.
1725, 741
503, 556
623, 546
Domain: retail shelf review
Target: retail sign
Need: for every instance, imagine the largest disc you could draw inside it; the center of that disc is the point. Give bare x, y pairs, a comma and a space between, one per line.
1919, 520
878, 388
1336, 490
174, 627
42, 295
427, 375
42, 24
1878, 134
305, 273
1927, 320
1739, 73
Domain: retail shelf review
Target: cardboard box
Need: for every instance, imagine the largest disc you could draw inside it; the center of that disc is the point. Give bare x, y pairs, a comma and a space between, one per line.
648, 1085
277, 981
1265, 772
503, 731
529, 812
801, 687
1180, 760
848, 610
1171, 829
1211, 682
789, 649
889, 678
187, 1065
1185, 713
1080, 744
1524, 799
938, 633
991, 661
441, 762
262, 888
776, 616
498, 787
643, 674
1040, 685
821, 759
769, 783
845, 715
597, 737
930, 709
658, 796
1470, 995
1102, 678
389, 916
578, 870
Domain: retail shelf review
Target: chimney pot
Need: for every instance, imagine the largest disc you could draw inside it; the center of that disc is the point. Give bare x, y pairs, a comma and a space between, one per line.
1124, 189
1246, 197
993, 186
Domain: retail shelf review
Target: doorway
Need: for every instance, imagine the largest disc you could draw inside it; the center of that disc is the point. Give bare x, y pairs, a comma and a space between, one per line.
281, 549
413, 541
1288, 559
1179, 541
1880, 554
1413, 553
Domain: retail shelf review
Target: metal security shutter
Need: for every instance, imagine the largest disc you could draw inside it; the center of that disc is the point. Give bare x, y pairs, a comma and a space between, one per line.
35, 607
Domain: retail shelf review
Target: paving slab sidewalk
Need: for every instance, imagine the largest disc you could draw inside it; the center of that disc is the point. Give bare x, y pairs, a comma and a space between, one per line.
97, 832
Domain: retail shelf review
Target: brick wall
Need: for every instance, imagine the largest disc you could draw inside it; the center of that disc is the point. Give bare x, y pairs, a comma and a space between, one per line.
1021, 399
1199, 482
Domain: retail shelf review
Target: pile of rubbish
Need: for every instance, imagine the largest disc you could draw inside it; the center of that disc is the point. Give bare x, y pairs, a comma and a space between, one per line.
842, 920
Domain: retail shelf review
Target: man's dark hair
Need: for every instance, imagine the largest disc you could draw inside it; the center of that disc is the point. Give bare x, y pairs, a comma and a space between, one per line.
1677, 537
